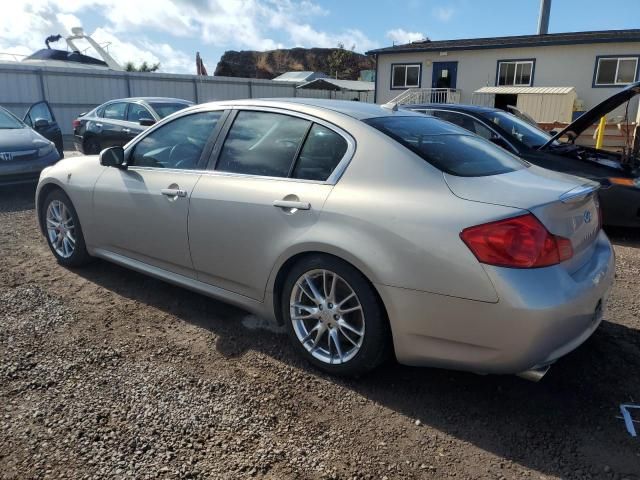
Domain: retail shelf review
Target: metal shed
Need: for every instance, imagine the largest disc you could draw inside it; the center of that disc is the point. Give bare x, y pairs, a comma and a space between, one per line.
336, 85
544, 104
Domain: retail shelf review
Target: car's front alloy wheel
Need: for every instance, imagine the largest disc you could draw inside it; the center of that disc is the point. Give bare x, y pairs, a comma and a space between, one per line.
62, 230
334, 316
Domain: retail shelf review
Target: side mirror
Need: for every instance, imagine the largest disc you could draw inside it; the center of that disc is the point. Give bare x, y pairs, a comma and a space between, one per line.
146, 122
113, 157
40, 123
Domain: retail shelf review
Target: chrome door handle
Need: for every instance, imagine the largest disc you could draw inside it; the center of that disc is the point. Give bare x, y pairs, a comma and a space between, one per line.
292, 204
173, 192
99, 125
126, 130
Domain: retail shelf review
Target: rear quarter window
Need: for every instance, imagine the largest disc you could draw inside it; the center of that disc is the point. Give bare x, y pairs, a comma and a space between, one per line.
447, 147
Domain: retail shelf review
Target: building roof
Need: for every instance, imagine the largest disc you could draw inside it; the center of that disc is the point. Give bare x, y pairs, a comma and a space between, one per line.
566, 38
333, 84
299, 77
525, 90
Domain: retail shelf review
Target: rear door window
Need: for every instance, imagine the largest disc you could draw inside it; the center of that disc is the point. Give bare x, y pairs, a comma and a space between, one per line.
321, 153
115, 111
447, 147
262, 143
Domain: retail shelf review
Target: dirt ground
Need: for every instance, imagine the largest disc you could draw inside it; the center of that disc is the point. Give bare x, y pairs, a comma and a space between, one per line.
105, 373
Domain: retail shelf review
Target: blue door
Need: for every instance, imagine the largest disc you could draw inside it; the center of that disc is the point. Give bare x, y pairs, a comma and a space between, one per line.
444, 75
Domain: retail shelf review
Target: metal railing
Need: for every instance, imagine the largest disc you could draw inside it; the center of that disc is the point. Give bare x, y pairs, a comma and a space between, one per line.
428, 95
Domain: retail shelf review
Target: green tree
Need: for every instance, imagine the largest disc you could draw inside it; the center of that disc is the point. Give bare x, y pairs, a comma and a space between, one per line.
342, 62
144, 67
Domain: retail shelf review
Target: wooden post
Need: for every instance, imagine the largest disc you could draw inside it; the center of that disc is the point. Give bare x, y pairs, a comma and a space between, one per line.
601, 128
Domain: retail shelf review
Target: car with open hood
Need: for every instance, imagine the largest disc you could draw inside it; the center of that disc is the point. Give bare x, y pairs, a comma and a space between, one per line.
617, 173
29, 146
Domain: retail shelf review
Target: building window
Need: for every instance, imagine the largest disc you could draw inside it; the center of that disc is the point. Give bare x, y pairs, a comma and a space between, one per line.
405, 75
615, 70
515, 73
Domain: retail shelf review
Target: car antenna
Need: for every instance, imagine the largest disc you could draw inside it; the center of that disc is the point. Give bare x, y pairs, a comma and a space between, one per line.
393, 106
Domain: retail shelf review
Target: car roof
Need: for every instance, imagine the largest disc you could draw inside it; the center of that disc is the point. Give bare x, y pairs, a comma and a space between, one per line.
151, 99
453, 106
357, 110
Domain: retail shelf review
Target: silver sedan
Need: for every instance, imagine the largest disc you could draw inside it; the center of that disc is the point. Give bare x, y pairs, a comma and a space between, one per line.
367, 231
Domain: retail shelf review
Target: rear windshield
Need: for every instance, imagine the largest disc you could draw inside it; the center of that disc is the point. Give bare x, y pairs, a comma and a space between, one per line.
447, 147
164, 109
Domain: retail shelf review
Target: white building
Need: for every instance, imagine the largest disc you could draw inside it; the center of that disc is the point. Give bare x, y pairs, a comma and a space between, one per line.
595, 64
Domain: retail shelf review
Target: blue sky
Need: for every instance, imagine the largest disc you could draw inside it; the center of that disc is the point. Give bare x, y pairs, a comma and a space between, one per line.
441, 20
171, 31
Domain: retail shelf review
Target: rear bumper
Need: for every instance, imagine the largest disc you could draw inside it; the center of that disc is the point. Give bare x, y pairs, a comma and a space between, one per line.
542, 315
15, 173
77, 143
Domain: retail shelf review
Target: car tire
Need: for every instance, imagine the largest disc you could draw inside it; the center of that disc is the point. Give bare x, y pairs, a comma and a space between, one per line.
63, 231
91, 146
340, 335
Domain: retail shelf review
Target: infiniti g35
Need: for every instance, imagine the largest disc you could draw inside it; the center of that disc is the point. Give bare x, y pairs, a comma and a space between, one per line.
365, 230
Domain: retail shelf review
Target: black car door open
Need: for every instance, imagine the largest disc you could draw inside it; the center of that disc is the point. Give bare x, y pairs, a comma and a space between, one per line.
40, 117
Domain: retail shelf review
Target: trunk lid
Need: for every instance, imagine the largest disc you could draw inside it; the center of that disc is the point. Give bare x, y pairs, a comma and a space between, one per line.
565, 204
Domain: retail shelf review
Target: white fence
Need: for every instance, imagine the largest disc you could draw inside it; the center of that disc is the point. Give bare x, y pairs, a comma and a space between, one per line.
427, 95
71, 91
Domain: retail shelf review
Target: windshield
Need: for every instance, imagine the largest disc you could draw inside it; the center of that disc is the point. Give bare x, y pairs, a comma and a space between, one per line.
530, 135
163, 109
447, 147
8, 121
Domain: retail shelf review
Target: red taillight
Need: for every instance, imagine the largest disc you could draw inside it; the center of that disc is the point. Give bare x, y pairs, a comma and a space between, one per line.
75, 124
518, 242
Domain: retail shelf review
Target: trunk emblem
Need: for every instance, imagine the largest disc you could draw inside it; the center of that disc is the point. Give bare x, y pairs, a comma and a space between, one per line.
6, 156
587, 216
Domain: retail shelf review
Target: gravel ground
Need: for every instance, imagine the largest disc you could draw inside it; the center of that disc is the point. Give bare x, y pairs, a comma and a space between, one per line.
106, 373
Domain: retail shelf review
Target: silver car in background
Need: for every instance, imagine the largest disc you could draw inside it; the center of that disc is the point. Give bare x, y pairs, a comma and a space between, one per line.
367, 231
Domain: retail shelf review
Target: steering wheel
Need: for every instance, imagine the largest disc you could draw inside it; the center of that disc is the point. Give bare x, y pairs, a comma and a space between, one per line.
184, 155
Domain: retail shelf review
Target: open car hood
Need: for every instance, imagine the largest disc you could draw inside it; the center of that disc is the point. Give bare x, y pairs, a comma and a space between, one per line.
592, 116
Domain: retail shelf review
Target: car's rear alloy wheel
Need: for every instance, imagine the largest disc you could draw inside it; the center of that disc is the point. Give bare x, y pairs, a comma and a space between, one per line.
63, 230
327, 316
334, 316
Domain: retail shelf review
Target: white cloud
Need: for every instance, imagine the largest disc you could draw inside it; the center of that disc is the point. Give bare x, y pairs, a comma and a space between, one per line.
174, 18
443, 14
170, 59
400, 36
134, 27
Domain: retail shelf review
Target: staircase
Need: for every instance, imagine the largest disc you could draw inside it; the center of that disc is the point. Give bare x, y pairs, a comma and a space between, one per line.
427, 95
